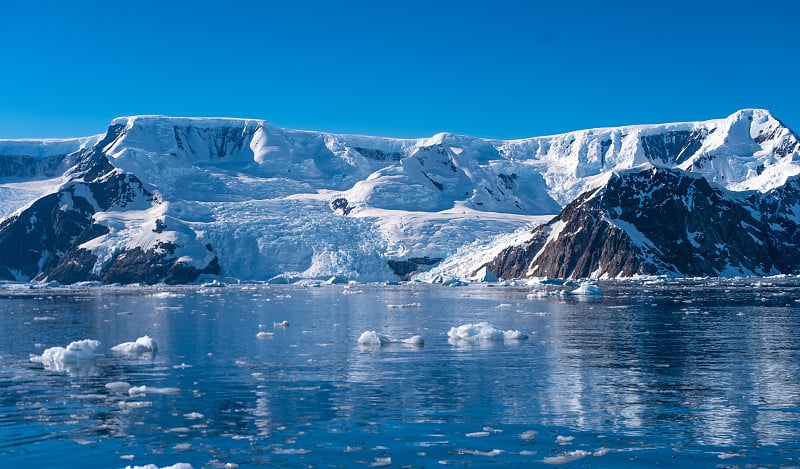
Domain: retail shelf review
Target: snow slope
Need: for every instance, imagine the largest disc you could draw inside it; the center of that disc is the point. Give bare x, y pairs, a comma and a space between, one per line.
281, 204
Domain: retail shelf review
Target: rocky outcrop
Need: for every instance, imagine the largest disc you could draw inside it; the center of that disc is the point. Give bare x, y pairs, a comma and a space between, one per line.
657, 221
43, 241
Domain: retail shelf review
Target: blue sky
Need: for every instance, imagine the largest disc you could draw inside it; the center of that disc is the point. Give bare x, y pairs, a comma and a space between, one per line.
500, 69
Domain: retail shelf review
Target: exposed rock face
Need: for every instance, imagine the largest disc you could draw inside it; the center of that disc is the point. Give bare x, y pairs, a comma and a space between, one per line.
43, 241
662, 221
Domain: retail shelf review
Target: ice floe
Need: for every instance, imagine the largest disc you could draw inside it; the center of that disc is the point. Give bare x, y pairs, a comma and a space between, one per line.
143, 390
482, 331
372, 338
180, 465
77, 355
474, 452
142, 345
405, 305
584, 289
567, 457
118, 386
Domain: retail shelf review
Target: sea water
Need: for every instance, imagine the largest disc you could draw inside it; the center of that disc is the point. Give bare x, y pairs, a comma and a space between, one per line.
702, 373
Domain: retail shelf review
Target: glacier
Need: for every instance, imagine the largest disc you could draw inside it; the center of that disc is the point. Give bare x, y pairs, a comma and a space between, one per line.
181, 200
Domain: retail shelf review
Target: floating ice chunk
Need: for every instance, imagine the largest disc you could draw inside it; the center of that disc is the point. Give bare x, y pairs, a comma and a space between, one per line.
142, 390
180, 465
489, 454
563, 440
264, 335
126, 405
381, 462
413, 340
483, 331
454, 282
300, 451
585, 289
527, 435
283, 323
118, 386
142, 345
167, 294
78, 354
484, 275
405, 305
193, 416
567, 457
477, 434
372, 338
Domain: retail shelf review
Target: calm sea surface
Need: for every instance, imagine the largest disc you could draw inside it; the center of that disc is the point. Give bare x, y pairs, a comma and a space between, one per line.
675, 374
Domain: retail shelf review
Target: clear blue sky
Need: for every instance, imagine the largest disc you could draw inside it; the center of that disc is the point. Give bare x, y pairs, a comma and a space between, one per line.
503, 69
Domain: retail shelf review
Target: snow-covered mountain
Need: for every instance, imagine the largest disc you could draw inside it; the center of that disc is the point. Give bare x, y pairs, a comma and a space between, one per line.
181, 199
656, 221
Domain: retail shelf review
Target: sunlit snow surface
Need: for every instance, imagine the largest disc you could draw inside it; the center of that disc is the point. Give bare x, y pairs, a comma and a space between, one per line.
691, 373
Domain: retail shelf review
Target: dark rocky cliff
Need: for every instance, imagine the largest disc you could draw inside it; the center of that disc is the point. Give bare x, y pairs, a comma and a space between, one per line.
658, 221
42, 242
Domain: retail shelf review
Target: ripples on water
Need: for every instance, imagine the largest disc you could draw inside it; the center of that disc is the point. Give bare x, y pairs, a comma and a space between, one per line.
690, 373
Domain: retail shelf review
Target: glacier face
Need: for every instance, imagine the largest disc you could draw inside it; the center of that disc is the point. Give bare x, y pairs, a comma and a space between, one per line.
242, 199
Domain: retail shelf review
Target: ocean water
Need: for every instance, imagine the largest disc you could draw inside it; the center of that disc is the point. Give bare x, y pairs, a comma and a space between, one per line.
675, 374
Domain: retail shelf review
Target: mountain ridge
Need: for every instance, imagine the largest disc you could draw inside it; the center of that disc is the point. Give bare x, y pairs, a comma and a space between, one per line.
277, 204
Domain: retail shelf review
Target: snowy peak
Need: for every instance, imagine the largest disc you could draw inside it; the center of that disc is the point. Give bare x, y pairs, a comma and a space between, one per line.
749, 150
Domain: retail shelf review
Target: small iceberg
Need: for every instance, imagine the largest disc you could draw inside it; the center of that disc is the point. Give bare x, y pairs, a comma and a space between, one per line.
77, 355
180, 465
482, 331
567, 457
118, 386
135, 391
142, 345
454, 282
585, 289
373, 339
484, 275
